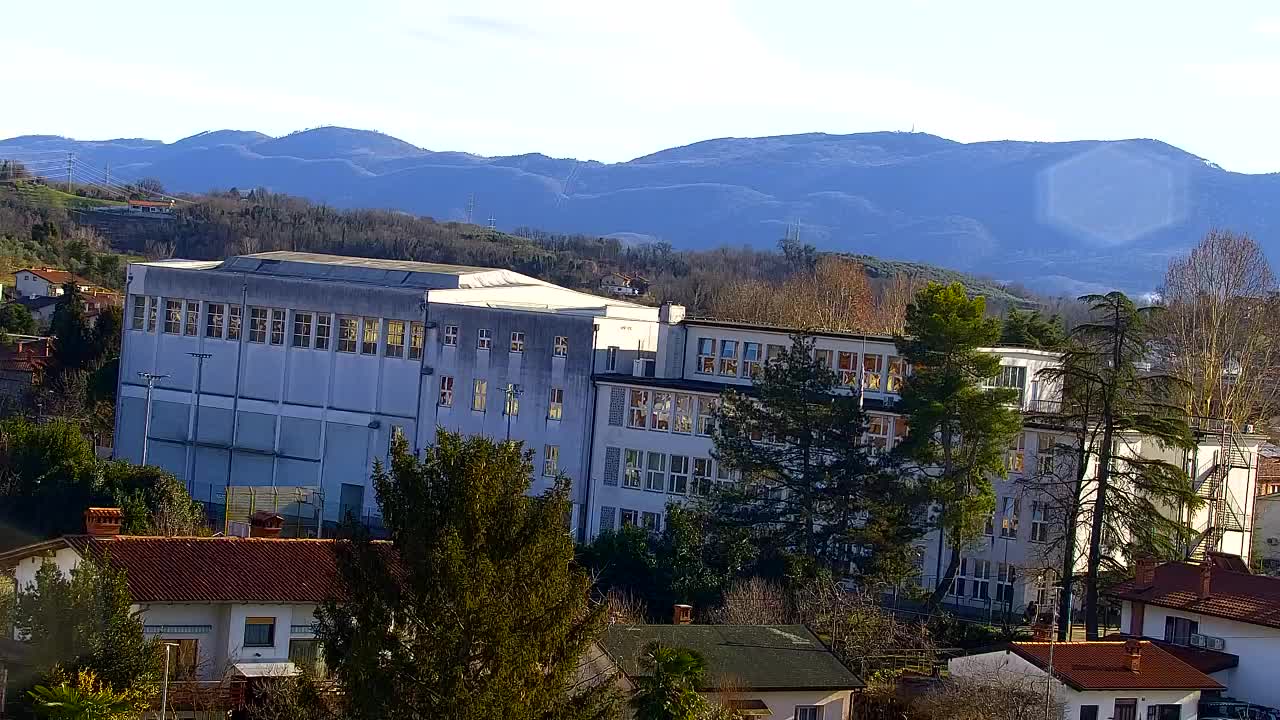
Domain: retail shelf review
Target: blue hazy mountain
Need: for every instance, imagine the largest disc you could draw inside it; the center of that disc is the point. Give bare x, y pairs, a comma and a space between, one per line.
1059, 217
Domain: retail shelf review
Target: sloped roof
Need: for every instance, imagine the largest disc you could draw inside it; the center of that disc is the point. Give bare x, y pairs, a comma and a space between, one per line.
57, 277
1205, 660
1103, 665
748, 657
1238, 596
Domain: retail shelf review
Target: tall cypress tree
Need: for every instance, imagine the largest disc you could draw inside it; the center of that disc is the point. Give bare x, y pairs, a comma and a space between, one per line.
474, 609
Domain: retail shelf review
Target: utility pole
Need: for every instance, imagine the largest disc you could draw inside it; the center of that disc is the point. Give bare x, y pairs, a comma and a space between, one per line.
106, 171
471, 206
70, 160
151, 379
1053, 635
200, 357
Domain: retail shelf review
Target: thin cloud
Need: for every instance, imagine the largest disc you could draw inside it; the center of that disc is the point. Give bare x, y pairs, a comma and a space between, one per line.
491, 25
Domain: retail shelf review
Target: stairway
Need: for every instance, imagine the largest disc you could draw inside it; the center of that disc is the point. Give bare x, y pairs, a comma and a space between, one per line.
1223, 515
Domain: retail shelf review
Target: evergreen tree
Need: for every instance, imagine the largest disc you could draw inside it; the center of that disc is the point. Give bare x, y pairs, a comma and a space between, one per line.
73, 346
16, 319
1030, 329
960, 431
669, 689
474, 609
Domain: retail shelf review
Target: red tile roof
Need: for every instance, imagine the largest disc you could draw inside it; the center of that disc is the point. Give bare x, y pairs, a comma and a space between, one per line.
1103, 665
1238, 596
1202, 659
57, 277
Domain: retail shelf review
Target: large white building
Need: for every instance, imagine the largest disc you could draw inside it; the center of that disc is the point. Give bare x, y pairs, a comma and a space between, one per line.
315, 362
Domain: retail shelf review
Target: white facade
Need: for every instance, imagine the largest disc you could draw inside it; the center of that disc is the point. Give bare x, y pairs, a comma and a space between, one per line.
1266, 531
316, 362
31, 285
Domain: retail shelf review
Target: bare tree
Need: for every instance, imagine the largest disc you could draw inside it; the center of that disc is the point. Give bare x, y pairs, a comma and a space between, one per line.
755, 601
1218, 327
834, 295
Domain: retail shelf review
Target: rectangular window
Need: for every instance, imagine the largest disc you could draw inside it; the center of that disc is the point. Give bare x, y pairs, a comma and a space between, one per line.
395, 338
960, 582
706, 356
750, 359
1009, 507
1039, 521
628, 518
729, 358
369, 340
305, 653
301, 329
678, 482
417, 333
139, 312
185, 658
808, 712
550, 460
1088, 712
1010, 377
233, 322
702, 476
259, 632
981, 589
651, 521
897, 371
451, 336
660, 418
611, 359
555, 410
990, 528
1016, 457
631, 467
1165, 711
871, 367
484, 339
1006, 575
257, 325
561, 348
446, 391
1125, 709
656, 479
517, 342
847, 368
683, 420
152, 307
1046, 448
823, 357
479, 394
512, 405
637, 408
192, 324
323, 328
277, 327
173, 316
725, 476
707, 415
213, 320
774, 352
348, 331
1178, 630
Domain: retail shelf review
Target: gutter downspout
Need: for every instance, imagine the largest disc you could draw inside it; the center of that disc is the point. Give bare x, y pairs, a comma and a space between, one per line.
422, 366
235, 401
124, 335
588, 510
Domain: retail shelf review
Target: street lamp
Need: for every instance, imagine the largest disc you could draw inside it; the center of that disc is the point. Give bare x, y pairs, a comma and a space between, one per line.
200, 357
514, 391
151, 379
164, 688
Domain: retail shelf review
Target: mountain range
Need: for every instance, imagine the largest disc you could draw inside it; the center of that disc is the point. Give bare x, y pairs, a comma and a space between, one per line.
1064, 217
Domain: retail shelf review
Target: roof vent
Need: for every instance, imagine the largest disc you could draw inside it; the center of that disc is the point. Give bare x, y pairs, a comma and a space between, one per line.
265, 524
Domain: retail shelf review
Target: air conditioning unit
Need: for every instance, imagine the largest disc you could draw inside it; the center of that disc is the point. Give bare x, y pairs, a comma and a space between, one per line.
1208, 642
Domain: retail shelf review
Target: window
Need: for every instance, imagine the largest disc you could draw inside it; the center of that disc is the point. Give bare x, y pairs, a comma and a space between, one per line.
808, 712
416, 335
323, 328
629, 517
1006, 574
446, 391
990, 527
611, 359
277, 327
259, 632
847, 368
823, 357
725, 476
660, 418
1088, 712
871, 367
233, 322
257, 325
1009, 507
679, 480
981, 589
397, 435
173, 316
707, 415
479, 393
451, 336
960, 582
1178, 630
348, 329
651, 521
706, 356
301, 329
555, 410
517, 342
192, 324
185, 657
701, 476
750, 359
878, 432
1125, 709
550, 460
305, 653
213, 320
1167, 711
369, 341
656, 479
631, 469
683, 421
512, 404
773, 352
1016, 458
638, 408
897, 370
1039, 521
139, 312
1010, 377
561, 348
484, 339
395, 338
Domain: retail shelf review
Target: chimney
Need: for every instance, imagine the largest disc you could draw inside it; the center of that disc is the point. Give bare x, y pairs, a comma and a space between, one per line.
1145, 576
103, 522
683, 615
1206, 578
1133, 649
265, 524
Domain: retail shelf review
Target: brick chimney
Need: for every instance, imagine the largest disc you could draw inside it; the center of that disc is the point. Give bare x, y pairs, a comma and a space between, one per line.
682, 615
103, 522
1145, 575
1206, 579
265, 524
1133, 651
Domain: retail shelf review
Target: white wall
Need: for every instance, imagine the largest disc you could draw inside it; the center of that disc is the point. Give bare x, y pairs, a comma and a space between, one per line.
29, 285
835, 705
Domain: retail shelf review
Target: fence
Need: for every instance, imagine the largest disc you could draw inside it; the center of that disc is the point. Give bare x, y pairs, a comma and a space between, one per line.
304, 509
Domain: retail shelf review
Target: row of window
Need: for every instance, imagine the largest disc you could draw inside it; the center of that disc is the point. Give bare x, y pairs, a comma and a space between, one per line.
484, 341
512, 393
1009, 508
973, 580
734, 358
673, 474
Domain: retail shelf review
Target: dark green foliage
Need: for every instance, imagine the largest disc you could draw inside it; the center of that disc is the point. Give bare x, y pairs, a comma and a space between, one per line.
153, 500
475, 608
1030, 329
74, 347
16, 319
669, 688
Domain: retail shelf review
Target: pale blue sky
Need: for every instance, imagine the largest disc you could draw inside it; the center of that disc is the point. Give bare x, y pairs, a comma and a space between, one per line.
611, 81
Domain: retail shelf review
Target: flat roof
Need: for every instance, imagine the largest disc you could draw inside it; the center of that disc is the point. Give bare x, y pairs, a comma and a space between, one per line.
364, 262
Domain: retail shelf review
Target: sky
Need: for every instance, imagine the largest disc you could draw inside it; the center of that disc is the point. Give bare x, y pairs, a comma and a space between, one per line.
613, 81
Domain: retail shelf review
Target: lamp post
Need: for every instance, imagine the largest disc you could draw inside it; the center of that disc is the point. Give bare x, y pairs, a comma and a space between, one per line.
200, 357
164, 687
151, 379
1053, 635
513, 397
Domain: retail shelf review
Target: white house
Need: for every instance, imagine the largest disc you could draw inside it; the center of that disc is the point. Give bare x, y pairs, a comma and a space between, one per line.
771, 672
1217, 607
1099, 680
46, 282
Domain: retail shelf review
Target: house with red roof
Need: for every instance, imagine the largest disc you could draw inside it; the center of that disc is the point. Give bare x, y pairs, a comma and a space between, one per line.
47, 282
1097, 680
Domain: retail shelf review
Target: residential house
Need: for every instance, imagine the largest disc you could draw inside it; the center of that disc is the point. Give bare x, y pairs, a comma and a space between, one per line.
1266, 532
778, 672
1217, 606
623, 285
1116, 680
1268, 469
22, 361
47, 282
41, 308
